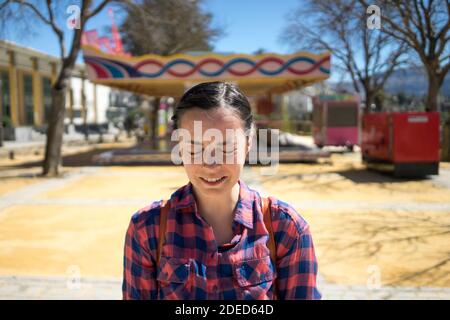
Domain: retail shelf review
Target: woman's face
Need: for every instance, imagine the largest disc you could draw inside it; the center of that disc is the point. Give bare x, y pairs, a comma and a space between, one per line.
215, 149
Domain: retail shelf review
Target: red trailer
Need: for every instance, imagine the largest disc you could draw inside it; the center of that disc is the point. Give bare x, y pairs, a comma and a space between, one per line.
336, 121
404, 143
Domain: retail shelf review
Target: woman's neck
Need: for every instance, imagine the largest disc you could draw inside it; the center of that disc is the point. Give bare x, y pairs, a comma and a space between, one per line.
218, 209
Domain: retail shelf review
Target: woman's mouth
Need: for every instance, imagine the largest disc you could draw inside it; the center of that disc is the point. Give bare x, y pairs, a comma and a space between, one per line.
213, 181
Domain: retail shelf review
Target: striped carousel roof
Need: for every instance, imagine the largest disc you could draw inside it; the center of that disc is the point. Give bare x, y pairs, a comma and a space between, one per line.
172, 75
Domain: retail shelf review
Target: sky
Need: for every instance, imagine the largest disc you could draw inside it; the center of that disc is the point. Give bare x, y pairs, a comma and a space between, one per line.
251, 24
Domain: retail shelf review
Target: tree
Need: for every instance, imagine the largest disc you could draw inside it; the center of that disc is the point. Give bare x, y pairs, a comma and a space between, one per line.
166, 27
424, 27
48, 13
369, 57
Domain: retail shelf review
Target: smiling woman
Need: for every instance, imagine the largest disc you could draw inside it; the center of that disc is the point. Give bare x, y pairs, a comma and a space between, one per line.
216, 238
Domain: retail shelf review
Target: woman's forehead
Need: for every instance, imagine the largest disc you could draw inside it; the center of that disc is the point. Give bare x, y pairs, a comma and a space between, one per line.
219, 118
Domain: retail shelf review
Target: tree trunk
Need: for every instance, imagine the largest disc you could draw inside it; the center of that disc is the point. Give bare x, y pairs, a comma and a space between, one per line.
433, 92
369, 101
55, 132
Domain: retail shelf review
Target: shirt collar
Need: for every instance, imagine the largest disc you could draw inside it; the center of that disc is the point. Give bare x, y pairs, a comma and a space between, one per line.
184, 201
244, 207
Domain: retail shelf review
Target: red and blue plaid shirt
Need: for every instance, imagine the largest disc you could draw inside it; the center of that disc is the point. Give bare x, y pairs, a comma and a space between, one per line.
192, 266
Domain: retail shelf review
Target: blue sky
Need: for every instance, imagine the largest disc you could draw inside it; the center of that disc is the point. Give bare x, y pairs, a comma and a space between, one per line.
249, 25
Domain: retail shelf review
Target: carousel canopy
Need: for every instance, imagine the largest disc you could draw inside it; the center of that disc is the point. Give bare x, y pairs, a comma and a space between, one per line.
171, 75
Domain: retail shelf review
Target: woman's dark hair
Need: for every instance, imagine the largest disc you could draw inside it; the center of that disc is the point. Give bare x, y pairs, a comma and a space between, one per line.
209, 95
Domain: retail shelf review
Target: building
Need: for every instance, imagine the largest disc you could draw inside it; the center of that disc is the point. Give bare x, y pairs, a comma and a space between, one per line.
26, 76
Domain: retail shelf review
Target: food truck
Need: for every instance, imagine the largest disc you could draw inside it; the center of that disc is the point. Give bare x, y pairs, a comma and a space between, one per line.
403, 143
336, 121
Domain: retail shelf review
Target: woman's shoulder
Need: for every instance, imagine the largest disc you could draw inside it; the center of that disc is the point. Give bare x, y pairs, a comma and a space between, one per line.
147, 215
285, 216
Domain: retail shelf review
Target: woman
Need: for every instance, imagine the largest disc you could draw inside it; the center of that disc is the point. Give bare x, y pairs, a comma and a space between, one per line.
216, 243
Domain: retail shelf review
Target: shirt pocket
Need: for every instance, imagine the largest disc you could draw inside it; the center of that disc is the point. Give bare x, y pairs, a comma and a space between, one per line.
254, 278
174, 281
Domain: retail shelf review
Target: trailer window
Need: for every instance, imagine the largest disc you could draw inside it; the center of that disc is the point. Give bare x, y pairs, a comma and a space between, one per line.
342, 117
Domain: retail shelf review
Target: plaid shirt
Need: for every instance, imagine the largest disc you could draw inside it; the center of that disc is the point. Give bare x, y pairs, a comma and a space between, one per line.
192, 266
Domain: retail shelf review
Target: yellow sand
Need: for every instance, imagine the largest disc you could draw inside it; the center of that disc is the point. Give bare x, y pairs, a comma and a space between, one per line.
124, 183
51, 239
48, 240
12, 184
409, 248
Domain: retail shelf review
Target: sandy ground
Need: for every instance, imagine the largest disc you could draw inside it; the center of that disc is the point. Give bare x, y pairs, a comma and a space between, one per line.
410, 249
137, 183
53, 239
50, 240
82, 221
13, 184
407, 247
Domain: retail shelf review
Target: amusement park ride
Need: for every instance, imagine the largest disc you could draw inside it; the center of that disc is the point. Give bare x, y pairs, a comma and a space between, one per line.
111, 45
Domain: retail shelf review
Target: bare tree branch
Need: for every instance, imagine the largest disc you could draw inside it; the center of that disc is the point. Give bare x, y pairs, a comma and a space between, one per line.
56, 30
34, 9
99, 8
339, 26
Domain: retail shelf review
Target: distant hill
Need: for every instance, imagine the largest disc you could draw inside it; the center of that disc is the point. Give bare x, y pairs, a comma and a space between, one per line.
412, 82
408, 80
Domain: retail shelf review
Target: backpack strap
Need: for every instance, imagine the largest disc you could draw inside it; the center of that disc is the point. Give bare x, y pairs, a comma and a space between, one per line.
162, 228
265, 206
